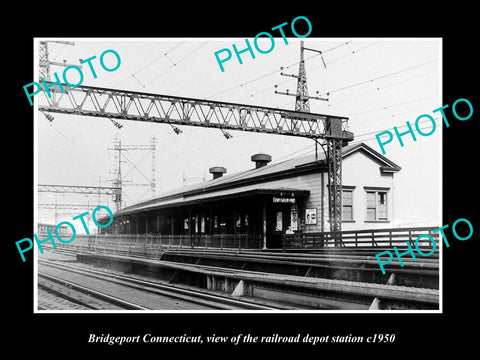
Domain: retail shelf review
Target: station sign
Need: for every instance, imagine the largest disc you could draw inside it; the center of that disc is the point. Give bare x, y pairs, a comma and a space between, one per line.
283, 200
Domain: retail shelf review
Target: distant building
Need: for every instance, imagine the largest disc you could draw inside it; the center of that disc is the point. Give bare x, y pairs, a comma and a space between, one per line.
271, 197
42, 229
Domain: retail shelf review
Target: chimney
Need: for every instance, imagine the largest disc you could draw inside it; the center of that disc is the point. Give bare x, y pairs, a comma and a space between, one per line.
217, 171
261, 160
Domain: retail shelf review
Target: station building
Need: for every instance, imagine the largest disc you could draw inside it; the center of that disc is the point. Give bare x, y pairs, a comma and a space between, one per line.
270, 198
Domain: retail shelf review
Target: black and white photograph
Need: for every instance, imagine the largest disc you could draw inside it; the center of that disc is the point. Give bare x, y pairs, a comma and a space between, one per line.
192, 189
281, 187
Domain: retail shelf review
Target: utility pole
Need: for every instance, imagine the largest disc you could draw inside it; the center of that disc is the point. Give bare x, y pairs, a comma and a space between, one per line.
44, 62
153, 148
301, 96
334, 145
119, 182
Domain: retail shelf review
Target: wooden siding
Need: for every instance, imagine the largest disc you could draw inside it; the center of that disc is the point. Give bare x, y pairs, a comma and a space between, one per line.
360, 170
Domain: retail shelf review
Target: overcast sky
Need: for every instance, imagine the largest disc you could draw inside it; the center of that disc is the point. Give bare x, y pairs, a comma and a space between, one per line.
376, 83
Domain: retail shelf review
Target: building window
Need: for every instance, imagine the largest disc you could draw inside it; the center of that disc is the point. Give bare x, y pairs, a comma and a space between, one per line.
377, 206
347, 205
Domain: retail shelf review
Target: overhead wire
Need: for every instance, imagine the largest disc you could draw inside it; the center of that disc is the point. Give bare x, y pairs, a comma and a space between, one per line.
149, 64
379, 77
393, 105
327, 93
318, 67
159, 57
310, 150
379, 88
58, 131
272, 72
178, 62
399, 127
296, 63
368, 81
353, 52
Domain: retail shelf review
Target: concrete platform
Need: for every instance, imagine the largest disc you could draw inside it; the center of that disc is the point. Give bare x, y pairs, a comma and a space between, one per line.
316, 292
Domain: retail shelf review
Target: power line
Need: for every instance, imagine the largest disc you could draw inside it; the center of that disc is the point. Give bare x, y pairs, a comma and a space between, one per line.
379, 77
175, 64
379, 88
296, 63
399, 127
295, 152
353, 52
147, 65
371, 81
361, 83
272, 72
58, 131
336, 47
245, 83
357, 136
393, 105
191, 52
159, 57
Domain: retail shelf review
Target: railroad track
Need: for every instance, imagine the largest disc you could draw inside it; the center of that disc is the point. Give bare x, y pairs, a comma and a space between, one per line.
208, 286
77, 297
346, 256
313, 258
299, 291
424, 273
329, 264
118, 291
316, 258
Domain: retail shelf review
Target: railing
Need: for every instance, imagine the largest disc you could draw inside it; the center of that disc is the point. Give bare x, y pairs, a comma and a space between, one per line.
363, 238
152, 245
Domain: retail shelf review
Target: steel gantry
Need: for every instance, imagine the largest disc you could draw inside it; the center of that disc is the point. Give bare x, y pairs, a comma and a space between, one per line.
334, 144
165, 109
77, 189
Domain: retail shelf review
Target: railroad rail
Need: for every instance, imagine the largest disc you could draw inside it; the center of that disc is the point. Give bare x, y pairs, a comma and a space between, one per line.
197, 300
52, 296
85, 297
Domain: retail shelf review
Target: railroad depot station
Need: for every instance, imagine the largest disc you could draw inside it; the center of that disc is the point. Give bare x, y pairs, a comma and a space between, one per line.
270, 199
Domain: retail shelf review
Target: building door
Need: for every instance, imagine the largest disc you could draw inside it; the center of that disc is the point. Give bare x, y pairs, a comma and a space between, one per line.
278, 221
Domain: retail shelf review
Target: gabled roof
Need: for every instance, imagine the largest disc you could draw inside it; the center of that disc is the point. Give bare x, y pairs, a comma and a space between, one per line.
251, 180
388, 165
